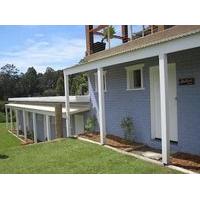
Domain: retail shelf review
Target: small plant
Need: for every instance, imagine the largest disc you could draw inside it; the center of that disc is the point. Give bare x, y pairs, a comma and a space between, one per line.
90, 124
109, 31
127, 126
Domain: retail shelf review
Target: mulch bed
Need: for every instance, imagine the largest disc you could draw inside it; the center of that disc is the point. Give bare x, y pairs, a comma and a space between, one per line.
187, 161
113, 141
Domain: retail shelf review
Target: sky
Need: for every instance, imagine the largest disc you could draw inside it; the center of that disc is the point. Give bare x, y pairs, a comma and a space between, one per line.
41, 46
56, 46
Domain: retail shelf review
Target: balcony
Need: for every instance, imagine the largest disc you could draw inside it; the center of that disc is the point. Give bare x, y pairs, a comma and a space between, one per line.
105, 38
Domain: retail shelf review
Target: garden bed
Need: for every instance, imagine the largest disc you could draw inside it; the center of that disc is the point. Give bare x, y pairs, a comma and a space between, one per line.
113, 141
187, 161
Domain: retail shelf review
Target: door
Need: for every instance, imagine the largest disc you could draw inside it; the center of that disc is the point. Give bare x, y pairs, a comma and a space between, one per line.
155, 102
79, 124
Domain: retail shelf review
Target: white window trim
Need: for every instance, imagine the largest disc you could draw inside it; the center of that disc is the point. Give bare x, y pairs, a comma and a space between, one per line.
96, 81
130, 69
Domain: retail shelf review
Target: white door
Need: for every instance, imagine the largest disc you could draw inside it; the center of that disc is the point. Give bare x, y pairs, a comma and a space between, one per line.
79, 124
155, 102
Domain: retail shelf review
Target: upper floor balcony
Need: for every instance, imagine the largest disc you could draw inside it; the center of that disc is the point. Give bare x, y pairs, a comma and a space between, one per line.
106, 37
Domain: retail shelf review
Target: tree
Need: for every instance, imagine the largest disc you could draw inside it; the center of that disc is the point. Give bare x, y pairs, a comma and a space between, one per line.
50, 78
30, 82
60, 86
78, 84
8, 79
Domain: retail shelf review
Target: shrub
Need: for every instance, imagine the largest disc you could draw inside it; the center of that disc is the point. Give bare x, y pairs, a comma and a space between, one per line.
2, 106
2, 117
127, 126
49, 92
90, 124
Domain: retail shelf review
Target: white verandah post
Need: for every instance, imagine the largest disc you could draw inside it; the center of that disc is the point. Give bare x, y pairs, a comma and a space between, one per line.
6, 109
47, 118
164, 103
67, 105
102, 125
34, 127
24, 123
17, 121
11, 119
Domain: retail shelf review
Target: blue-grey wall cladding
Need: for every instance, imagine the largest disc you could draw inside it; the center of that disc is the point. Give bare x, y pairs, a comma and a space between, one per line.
120, 103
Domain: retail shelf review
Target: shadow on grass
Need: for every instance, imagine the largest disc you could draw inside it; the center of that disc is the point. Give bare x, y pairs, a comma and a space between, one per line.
3, 156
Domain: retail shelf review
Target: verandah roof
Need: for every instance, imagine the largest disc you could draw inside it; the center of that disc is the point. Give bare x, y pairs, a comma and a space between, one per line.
47, 109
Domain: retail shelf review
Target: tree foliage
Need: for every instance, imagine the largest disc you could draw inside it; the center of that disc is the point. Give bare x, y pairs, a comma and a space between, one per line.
31, 83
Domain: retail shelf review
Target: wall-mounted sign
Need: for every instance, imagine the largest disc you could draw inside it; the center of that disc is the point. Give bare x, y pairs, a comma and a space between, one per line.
186, 81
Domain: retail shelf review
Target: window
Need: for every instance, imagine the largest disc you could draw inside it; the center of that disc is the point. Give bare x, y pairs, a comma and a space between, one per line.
96, 82
135, 77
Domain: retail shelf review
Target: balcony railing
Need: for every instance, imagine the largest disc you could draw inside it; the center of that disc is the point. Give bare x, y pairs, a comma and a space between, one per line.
95, 35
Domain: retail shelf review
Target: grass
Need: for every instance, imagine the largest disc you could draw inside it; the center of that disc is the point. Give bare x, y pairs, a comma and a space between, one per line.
67, 156
7, 140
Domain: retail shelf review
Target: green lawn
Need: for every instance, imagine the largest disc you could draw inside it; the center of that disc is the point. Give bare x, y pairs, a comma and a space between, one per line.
67, 156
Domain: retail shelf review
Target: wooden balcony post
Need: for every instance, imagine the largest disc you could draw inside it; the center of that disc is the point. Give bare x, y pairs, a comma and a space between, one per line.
161, 28
124, 33
58, 120
89, 38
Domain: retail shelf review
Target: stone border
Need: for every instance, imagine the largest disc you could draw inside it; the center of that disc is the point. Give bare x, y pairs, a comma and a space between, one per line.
16, 136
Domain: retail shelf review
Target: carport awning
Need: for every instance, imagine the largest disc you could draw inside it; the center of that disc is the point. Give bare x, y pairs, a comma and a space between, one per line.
47, 109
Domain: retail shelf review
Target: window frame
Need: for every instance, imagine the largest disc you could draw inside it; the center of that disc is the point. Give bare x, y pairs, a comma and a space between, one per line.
96, 81
130, 70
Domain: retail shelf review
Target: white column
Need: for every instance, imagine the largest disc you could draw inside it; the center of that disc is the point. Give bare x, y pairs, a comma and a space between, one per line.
47, 127
34, 127
6, 109
101, 106
17, 122
24, 123
27, 122
67, 105
11, 119
163, 71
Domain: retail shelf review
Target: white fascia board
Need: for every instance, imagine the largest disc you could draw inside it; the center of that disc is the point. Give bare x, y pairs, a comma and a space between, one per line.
56, 99
179, 44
